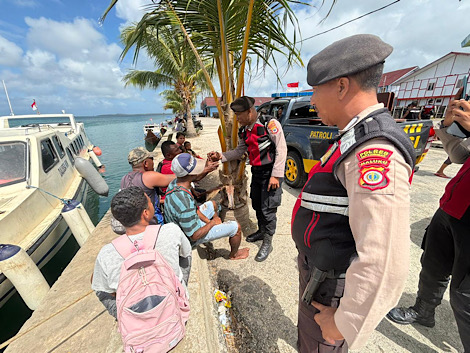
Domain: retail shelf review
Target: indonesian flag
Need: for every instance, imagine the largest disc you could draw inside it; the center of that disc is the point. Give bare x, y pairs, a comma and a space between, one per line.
293, 87
33, 106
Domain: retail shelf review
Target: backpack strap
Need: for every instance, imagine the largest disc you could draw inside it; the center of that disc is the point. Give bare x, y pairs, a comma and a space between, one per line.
151, 236
123, 246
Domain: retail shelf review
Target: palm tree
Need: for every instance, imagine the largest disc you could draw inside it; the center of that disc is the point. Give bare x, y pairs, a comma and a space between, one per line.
231, 33
176, 67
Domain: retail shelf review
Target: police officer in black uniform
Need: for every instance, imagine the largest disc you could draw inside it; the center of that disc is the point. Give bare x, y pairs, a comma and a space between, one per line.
262, 137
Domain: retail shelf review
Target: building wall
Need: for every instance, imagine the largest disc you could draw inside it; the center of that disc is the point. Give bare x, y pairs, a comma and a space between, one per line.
439, 81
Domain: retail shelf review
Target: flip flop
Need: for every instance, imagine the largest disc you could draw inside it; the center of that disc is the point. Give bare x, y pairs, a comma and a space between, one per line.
442, 175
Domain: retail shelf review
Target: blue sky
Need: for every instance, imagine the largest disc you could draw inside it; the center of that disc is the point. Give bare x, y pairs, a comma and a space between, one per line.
55, 51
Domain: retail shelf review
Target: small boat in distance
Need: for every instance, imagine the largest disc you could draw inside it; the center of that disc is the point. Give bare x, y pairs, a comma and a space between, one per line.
42, 167
153, 133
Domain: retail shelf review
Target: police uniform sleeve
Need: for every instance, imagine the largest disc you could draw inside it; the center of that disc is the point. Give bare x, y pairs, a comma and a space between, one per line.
277, 136
376, 177
236, 153
456, 148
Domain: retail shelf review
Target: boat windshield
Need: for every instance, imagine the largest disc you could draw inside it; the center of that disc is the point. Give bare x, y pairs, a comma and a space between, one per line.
12, 162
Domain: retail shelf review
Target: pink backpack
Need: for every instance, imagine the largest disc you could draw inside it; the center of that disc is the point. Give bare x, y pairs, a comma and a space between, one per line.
152, 305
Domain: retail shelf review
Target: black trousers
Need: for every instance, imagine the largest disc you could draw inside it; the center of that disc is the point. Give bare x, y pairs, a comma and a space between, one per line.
446, 247
329, 293
265, 202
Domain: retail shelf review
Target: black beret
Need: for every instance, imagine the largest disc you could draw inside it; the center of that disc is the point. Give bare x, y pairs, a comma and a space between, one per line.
242, 104
346, 57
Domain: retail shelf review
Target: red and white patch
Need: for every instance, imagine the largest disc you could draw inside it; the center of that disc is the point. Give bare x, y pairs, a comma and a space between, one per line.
273, 127
373, 167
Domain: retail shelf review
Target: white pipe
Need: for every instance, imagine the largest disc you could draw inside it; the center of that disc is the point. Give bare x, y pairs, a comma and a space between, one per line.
78, 221
95, 159
23, 273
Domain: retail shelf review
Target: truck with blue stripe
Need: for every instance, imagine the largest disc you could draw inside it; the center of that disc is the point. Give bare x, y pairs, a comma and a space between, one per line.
307, 137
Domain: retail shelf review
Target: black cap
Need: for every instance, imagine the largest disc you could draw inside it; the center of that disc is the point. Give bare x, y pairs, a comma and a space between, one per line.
346, 57
242, 104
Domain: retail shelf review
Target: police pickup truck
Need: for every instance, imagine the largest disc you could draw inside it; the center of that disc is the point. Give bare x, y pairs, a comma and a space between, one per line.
306, 136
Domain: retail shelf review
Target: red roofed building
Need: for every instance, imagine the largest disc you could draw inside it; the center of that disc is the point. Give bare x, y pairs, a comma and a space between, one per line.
389, 78
208, 106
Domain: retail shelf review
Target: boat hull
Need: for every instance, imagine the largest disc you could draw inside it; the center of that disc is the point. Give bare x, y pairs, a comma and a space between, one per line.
46, 244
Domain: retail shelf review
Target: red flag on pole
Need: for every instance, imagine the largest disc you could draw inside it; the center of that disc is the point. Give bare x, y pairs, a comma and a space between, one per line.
33, 106
293, 87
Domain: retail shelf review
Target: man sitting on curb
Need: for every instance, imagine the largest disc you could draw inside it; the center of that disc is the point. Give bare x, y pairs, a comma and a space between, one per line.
133, 208
200, 225
170, 150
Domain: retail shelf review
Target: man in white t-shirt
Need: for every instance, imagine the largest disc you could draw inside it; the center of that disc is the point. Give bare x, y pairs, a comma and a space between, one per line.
133, 208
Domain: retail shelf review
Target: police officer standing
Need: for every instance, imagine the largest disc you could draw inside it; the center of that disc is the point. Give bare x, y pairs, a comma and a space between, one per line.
262, 136
351, 221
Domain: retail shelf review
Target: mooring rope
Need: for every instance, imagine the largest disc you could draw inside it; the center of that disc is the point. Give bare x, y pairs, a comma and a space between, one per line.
63, 200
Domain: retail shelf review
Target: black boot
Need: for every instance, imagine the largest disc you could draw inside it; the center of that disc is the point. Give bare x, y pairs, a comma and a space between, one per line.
422, 313
258, 235
265, 248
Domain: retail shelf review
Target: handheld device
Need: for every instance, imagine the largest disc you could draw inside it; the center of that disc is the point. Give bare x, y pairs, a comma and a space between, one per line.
455, 128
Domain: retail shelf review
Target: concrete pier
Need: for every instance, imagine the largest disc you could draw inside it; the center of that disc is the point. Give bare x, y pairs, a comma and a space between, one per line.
85, 326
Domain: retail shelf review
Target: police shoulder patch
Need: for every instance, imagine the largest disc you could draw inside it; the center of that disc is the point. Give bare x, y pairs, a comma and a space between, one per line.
273, 127
373, 167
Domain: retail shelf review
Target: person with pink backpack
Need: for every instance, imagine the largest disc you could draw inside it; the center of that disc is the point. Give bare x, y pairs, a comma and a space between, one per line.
141, 276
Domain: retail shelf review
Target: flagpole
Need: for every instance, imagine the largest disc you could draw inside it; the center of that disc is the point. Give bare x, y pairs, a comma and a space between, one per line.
8, 98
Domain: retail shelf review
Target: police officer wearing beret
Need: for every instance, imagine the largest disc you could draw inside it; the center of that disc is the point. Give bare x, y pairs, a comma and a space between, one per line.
351, 221
262, 137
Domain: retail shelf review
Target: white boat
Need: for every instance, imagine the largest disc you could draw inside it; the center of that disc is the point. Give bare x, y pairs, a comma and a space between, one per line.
38, 170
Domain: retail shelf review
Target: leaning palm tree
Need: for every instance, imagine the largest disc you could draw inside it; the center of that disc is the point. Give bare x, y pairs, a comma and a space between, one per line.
176, 66
231, 33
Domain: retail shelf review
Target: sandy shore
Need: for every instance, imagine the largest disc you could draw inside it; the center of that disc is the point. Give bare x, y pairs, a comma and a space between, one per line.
264, 294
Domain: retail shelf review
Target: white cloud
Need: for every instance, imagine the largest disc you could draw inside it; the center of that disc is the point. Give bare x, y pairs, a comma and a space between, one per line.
131, 10
10, 53
420, 32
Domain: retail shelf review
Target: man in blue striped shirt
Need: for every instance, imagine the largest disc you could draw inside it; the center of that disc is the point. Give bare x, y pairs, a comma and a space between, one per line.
201, 225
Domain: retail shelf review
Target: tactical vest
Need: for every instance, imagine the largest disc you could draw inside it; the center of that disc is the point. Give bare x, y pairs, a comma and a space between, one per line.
261, 150
320, 219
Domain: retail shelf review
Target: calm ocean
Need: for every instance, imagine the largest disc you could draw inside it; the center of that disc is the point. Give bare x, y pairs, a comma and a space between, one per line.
116, 135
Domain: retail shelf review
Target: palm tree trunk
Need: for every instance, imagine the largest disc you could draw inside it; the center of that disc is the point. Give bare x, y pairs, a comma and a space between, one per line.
190, 129
235, 195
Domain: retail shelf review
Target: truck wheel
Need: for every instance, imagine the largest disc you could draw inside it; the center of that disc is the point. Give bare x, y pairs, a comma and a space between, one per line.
294, 175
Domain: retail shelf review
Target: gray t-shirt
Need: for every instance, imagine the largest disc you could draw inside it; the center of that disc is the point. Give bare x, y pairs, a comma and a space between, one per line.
172, 244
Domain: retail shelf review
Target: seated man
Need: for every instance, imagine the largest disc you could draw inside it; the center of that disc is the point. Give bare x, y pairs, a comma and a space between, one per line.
200, 225
170, 150
133, 208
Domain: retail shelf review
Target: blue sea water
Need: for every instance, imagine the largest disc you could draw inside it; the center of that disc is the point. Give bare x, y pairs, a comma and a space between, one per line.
116, 135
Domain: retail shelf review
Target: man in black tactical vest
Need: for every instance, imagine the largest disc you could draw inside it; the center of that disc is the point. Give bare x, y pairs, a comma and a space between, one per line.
262, 137
350, 223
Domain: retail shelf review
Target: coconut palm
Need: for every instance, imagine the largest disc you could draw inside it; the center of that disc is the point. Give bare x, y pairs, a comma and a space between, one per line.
174, 102
231, 33
176, 66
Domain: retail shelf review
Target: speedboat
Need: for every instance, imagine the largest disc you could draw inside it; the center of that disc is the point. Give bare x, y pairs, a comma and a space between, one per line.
42, 166
152, 135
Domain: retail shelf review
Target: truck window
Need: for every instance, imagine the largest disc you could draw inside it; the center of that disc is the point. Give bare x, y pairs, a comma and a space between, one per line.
302, 110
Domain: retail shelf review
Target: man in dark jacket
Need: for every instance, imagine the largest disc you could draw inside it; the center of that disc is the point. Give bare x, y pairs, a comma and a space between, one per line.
446, 243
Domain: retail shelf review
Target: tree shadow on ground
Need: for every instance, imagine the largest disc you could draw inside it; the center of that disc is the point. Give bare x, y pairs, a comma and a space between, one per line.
417, 230
259, 321
444, 335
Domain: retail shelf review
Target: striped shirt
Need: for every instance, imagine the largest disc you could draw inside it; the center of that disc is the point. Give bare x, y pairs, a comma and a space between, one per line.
180, 208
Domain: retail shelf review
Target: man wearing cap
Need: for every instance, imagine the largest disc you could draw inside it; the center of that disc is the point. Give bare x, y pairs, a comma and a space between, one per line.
143, 175
262, 137
201, 225
350, 223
